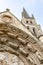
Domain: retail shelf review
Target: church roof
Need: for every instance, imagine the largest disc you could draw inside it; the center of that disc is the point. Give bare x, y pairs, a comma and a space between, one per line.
26, 15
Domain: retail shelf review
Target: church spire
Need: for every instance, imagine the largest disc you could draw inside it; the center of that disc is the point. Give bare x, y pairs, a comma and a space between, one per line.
25, 14
33, 16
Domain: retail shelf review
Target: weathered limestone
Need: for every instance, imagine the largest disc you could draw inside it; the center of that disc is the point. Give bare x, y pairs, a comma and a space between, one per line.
20, 45
41, 39
40, 56
22, 40
31, 48
23, 51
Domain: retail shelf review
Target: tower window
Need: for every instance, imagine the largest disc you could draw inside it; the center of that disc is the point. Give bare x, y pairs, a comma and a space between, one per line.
31, 22
27, 27
34, 30
26, 21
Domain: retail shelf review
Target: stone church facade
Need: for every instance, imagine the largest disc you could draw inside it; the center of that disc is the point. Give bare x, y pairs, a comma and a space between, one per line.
21, 42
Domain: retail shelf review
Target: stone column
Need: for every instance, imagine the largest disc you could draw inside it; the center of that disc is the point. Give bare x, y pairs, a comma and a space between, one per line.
41, 39
39, 34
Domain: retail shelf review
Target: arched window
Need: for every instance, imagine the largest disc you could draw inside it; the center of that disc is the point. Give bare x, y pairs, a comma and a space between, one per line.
34, 30
31, 22
27, 27
27, 22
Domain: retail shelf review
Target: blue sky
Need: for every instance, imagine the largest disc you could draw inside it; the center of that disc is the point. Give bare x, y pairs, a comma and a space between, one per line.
32, 7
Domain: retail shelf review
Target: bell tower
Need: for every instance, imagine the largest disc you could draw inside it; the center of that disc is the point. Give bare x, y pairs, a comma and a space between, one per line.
31, 25
28, 21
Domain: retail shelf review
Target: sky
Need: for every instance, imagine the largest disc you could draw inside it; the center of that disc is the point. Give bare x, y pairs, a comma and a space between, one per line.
34, 7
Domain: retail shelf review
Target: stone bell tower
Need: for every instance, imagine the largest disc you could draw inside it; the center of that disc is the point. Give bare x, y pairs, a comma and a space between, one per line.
31, 25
